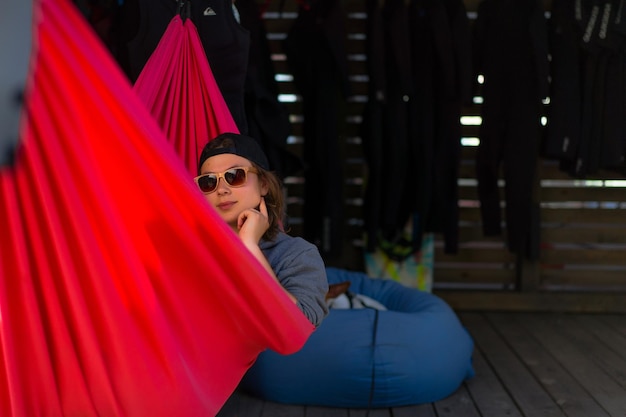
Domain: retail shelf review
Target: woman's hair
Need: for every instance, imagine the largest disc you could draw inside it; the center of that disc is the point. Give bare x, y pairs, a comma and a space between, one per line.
274, 200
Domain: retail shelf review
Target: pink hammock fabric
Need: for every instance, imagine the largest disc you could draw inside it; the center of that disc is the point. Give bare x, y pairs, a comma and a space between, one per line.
180, 91
121, 291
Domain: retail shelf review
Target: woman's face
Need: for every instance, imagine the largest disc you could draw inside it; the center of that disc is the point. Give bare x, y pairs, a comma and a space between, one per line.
229, 201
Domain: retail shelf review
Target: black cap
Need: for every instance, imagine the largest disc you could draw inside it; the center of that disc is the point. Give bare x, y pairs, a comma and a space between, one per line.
241, 145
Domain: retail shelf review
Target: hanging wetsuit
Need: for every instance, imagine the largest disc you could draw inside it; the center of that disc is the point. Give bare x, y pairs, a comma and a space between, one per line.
225, 42
427, 34
268, 119
444, 211
613, 149
398, 170
372, 129
601, 144
418, 65
511, 52
317, 59
392, 168
441, 50
594, 68
586, 127
563, 130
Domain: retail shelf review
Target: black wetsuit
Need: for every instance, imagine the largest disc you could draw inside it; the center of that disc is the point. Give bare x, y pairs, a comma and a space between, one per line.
447, 61
511, 51
564, 113
613, 145
372, 127
399, 167
315, 48
419, 67
268, 119
586, 125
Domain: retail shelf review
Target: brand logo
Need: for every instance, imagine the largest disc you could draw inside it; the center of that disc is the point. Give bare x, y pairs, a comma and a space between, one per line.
592, 23
605, 21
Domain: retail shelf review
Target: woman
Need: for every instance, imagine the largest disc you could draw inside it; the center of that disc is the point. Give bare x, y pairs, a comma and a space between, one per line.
233, 173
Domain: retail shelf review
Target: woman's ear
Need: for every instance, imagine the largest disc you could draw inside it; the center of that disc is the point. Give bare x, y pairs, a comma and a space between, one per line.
264, 185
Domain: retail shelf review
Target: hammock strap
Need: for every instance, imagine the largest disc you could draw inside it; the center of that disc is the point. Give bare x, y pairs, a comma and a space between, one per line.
184, 9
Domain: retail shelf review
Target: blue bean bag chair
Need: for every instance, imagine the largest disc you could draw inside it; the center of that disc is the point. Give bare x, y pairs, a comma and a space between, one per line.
415, 352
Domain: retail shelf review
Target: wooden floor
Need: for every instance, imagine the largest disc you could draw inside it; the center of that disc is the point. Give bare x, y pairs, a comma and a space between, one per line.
527, 364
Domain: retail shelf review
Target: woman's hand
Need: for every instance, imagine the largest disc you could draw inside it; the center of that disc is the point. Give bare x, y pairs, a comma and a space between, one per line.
253, 223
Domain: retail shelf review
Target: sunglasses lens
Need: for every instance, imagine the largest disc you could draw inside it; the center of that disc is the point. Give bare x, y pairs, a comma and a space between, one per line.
207, 183
235, 177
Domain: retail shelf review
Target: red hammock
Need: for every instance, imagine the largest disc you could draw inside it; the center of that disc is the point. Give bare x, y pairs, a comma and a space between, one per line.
121, 291
179, 90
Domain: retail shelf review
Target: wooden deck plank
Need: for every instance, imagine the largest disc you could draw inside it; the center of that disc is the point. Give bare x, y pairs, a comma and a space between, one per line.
487, 391
609, 335
615, 321
573, 399
422, 410
241, 405
549, 331
271, 409
374, 412
460, 403
528, 394
605, 348
315, 411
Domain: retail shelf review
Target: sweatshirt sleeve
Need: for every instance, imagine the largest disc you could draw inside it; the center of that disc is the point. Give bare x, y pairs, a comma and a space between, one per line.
301, 271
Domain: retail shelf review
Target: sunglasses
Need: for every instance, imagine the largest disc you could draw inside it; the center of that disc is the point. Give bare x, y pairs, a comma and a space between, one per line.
234, 177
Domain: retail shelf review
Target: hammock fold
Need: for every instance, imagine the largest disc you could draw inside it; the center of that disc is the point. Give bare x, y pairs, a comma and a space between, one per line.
180, 91
122, 293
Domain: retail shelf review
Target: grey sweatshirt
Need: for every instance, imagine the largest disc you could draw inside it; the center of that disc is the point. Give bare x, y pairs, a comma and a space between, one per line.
301, 270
